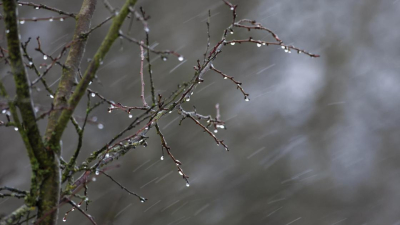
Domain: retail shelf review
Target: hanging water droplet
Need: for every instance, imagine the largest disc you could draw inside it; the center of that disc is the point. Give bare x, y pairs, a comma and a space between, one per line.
94, 179
233, 43
61, 19
37, 7
263, 43
107, 155
187, 184
142, 200
86, 199
146, 29
246, 98
180, 173
215, 131
130, 116
93, 95
4, 111
7, 31
299, 51
51, 96
232, 8
22, 21
187, 99
94, 118
180, 58
80, 203
16, 128
231, 32
283, 47
73, 209
64, 219
90, 82
45, 57
162, 157
30, 63
286, 50
51, 20
97, 172
170, 112
259, 45
164, 58
19, 4
225, 78
226, 149
100, 126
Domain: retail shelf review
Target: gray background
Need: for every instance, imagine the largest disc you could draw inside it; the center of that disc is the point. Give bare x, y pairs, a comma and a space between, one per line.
317, 144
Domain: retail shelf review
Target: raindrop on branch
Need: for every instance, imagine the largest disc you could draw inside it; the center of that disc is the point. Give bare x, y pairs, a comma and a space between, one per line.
100, 126
22, 21
215, 131
16, 128
51, 20
45, 57
180, 58
232, 43
93, 95
187, 184
61, 19
258, 45
180, 173
162, 157
51, 96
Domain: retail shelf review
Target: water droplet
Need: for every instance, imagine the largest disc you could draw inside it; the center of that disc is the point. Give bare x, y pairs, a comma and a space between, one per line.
30, 63
187, 99
142, 200
101, 62
170, 112
93, 95
7, 31
231, 32
22, 21
51, 20
226, 149
187, 184
162, 157
283, 47
100, 126
233, 43
180, 58
263, 43
97, 172
4, 111
86, 199
180, 173
225, 78
107, 155
94, 118
64, 219
146, 29
164, 58
73, 209
215, 131
51, 96
286, 50
45, 57
232, 8
37, 7
90, 82
20, 4
61, 19
80, 203
130, 116
16, 128
259, 45
246, 99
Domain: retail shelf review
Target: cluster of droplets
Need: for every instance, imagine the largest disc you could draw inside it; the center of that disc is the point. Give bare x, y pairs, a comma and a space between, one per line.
286, 49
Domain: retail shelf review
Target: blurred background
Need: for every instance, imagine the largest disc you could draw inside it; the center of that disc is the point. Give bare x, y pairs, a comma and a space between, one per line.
317, 144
